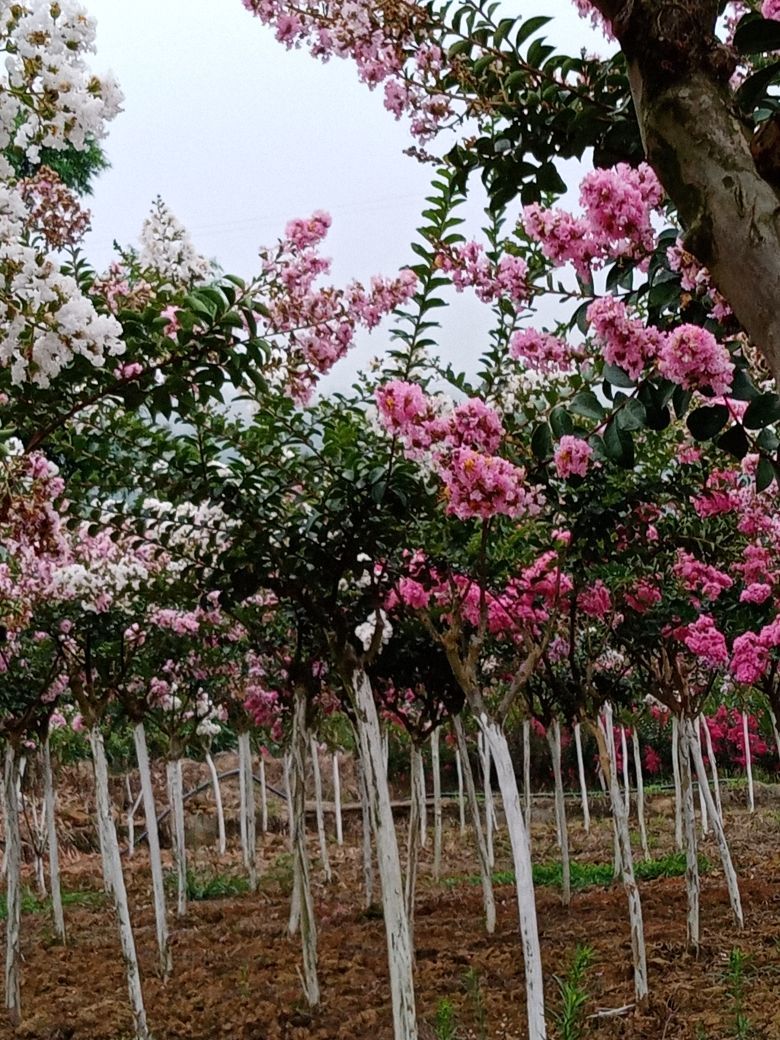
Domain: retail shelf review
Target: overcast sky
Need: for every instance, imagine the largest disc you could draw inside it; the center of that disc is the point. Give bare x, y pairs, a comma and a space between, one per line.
238, 135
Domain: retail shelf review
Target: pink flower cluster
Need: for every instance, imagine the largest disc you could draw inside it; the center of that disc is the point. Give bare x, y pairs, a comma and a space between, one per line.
706, 641
540, 351
595, 601
700, 577
696, 279
470, 267
752, 652
692, 357
572, 456
626, 342
481, 486
771, 9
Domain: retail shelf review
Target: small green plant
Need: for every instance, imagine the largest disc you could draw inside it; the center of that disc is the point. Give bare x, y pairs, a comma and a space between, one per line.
739, 964
32, 904
202, 886
570, 1019
474, 993
280, 873
444, 1025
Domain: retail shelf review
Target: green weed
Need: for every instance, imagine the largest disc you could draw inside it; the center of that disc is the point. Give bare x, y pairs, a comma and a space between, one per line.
444, 1025
738, 967
570, 1019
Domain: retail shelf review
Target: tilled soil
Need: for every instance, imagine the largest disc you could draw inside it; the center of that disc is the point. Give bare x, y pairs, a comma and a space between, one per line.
236, 970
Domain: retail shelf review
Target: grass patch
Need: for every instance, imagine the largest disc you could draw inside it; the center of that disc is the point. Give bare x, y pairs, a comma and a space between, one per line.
586, 875
32, 904
202, 886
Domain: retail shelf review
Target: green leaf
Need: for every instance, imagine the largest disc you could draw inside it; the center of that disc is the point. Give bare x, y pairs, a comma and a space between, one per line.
617, 377
757, 36
587, 405
705, 423
529, 27
765, 474
752, 90
561, 422
735, 442
763, 411
632, 416
742, 388
619, 445
542, 441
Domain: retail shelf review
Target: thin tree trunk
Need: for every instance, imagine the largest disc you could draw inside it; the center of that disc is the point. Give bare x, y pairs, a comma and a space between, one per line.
179, 842
581, 773
337, 799
248, 831
640, 792
713, 766
321, 836
554, 741
486, 876
720, 835
422, 803
678, 824
692, 885
461, 800
606, 761
399, 949
437, 813
308, 923
521, 854
368, 859
131, 808
748, 763
153, 840
295, 902
50, 800
413, 838
13, 860
626, 777
263, 794
638, 950
118, 890
775, 730
527, 774
487, 789
221, 838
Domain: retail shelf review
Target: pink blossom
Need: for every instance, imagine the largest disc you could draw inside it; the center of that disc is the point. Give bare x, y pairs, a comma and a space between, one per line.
477, 485
771, 9
705, 640
700, 577
692, 357
541, 351
644, 595
77, 724
572, 456
757, 592
595, 601
626, 342
413, 594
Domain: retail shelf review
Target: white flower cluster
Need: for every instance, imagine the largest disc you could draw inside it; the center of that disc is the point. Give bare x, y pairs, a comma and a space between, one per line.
365, 631
101, 583
187, 531
49, 97
45, 320
166, 247
209, 715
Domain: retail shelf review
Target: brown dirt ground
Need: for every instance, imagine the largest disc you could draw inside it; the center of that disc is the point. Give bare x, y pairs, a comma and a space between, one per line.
236, 971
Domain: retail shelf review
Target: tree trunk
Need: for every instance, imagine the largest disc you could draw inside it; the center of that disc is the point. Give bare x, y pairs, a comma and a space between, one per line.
221, 838
13, 867
437, 812
320, 813
581, 773
368, 858
179, 840
748, 763
422, 803
678, 822
638, 950
527, 774
486, 876
263, 795
775, 730
487, 788
461, 801
50, 800
713, 766
153, 840
640, 793
554, 741
413, 838
295, 902
720, 835
301, 872
700, 151
247, 788
118, 890
692, 885
399, 949
337, 800
521, 854
131, 807
606, 742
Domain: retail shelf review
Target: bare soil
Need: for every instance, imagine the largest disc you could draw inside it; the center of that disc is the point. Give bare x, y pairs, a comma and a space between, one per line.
236, 970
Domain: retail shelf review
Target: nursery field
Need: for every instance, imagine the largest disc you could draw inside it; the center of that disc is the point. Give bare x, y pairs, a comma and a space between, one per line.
236, 971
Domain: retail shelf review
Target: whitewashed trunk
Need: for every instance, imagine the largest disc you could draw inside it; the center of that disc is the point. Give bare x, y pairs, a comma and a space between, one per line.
626, 780
248, 812
638, 951
413, 838
527, 774
178, 837
153, 841
554, 741
437, 812
609, 741
748, 763
678, 823
337, 800
720, 835
368, 859
399, 949
461, 800
13, 866
50, 800
640, 792
581, 774
521, 855
386, 750
263, 795
319, 811
485, 873
775, 730
422, 804
713, 766
131, 808
487, 792
38, 813
295, 901
301, 872
221, 836
692, 884
118, 890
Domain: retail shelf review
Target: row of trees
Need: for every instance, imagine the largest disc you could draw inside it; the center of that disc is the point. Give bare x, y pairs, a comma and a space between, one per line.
589, 517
